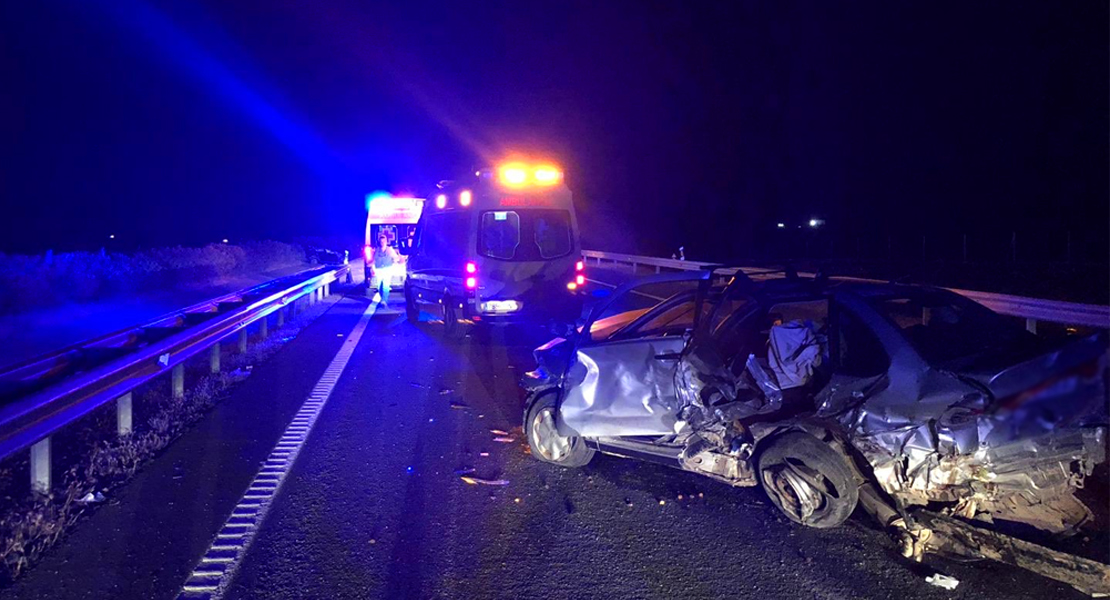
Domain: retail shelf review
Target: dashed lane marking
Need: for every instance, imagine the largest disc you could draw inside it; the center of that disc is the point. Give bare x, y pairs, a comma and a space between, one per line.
217, 566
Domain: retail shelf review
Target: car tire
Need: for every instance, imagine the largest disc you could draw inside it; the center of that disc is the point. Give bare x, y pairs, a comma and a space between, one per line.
412, 312
811, 482
543, 439
453, 328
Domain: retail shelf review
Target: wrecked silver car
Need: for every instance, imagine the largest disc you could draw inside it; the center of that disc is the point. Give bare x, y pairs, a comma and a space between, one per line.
946, 421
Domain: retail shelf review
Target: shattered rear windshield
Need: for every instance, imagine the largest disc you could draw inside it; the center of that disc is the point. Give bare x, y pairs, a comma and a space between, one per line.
944, 328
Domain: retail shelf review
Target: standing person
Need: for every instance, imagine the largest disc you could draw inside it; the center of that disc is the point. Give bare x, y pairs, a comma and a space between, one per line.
384, 261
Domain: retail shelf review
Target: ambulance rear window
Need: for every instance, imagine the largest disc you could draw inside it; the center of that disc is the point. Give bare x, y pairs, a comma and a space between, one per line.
525, 234
500, 234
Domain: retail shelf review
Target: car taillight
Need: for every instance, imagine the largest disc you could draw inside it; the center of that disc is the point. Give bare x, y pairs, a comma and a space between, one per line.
471, 268
471, 283
367, 251
580, 265
580, 280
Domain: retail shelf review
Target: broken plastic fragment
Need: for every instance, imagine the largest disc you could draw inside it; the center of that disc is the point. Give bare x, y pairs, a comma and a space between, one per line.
498, 432
944, 581
459, 405
91, 498
164, 360
504, 440
481, 480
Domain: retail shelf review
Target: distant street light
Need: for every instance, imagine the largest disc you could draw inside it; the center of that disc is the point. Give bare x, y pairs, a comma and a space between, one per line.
782, 225
815, 223
225, 240
112, 236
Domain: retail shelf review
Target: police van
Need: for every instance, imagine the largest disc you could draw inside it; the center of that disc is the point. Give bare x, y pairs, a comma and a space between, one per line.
499, 247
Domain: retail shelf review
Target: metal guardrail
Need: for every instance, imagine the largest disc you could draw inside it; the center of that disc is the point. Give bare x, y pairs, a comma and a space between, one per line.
1030, 309
42, 395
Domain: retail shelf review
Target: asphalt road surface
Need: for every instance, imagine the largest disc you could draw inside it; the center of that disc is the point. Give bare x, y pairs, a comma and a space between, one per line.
374, 506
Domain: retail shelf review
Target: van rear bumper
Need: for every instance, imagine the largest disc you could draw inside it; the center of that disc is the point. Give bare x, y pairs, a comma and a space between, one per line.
538, 309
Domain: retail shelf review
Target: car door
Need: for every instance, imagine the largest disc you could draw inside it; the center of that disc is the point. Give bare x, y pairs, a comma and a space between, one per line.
622, 380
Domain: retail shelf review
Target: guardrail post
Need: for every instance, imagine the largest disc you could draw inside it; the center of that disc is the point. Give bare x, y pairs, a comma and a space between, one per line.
281, 317
242, 340
312, 297
327, 290
123, 414
1031, 325
40, 466
178, 376
656, 269
264, 327
214, 358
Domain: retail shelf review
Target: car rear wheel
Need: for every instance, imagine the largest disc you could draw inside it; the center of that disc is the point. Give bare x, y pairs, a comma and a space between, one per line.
544, 439
453, 328
808, 480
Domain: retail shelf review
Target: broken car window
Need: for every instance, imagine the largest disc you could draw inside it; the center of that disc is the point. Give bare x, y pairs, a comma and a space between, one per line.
650, 309
943, 327
858, 352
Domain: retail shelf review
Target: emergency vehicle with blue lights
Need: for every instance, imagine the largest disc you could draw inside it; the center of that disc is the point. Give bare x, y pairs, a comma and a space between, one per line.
395, 217
500, 246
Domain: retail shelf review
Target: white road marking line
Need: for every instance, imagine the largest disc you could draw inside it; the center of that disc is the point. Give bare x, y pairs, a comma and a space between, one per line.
219, 563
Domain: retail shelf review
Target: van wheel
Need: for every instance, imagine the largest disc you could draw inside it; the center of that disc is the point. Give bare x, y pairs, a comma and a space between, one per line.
412, 312
452, 328
544, 439
808, 480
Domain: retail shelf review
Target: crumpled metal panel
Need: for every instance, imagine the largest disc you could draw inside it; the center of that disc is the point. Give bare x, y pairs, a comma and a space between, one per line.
932, 436
622, 389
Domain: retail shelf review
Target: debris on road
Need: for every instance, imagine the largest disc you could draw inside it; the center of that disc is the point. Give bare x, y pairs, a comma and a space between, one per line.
504, 439
944, 581
498, 432
483, 481
91, 498
456, 404
446, 391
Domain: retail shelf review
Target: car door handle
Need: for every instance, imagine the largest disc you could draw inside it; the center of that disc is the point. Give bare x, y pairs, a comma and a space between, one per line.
668, 356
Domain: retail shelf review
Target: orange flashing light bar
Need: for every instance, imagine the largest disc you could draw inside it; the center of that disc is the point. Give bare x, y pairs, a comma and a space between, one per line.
519, 174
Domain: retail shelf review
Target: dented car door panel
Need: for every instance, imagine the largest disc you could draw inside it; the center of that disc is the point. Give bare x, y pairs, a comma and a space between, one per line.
622, 389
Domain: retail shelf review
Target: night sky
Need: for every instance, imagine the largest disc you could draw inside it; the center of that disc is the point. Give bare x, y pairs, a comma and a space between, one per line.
691, 123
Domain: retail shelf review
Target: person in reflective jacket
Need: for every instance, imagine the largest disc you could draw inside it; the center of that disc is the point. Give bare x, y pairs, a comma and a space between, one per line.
385, 260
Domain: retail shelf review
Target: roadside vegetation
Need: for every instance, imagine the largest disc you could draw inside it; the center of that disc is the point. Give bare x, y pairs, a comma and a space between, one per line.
92, 461
32, 282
